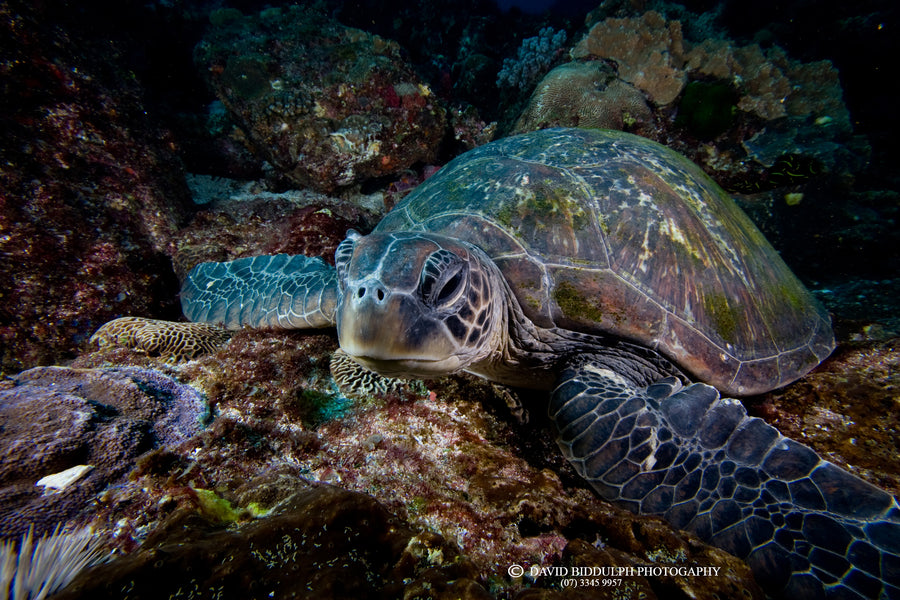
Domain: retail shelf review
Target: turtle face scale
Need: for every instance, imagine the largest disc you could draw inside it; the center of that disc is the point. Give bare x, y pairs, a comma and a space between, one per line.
414, 304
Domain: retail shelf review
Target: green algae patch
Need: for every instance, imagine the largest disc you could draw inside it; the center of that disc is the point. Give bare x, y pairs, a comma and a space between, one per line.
216, 508
707, 109
574, 304
721, 315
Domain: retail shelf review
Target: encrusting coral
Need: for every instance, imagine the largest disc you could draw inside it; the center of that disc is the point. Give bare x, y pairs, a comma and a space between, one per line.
648, 50
58, 421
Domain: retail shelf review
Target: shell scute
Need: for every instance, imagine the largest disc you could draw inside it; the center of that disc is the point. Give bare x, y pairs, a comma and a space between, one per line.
605, 232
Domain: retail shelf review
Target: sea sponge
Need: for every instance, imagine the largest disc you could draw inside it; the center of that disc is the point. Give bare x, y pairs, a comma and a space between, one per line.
584, 94
179, 341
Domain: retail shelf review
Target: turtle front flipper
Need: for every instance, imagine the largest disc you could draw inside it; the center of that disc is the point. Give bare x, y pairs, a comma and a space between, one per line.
281, 291
806, 527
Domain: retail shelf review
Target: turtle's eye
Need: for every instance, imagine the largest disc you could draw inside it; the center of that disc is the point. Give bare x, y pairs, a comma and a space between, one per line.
443, 279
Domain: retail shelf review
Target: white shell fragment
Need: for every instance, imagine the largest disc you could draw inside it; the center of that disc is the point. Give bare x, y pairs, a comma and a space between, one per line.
57, 482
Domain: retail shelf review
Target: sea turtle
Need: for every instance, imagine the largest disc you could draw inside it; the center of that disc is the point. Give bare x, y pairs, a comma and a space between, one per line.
610, 271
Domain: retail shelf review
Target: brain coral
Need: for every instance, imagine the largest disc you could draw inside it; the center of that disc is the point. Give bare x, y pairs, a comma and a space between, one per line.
584, 94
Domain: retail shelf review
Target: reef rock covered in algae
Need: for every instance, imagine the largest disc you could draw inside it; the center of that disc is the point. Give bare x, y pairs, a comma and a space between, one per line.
90, 191
466, 491
327, 105
847, 410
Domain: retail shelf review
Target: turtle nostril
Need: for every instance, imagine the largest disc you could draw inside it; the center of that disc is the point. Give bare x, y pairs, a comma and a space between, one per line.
378, 293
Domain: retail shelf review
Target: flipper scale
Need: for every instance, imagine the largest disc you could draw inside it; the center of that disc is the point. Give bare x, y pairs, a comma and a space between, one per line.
808, 528
280, 291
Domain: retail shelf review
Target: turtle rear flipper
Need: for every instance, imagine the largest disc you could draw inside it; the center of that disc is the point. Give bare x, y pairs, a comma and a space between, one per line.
700, 462
280, 291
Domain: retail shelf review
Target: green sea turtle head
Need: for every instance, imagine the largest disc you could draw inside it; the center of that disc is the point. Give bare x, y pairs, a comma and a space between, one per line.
414, 304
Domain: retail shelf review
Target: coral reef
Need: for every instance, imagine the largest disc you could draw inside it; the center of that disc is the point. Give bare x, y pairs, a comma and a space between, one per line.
771, 84
90, 192
92, 208
585, 94
327, 105
764, 86
533, 58
445, 460
166, 338
55, 418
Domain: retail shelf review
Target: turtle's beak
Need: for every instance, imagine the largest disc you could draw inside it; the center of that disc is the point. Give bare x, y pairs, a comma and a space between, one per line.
391, 334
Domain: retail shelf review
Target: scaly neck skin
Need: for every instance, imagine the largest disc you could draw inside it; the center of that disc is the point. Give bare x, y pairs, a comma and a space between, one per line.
525, 355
